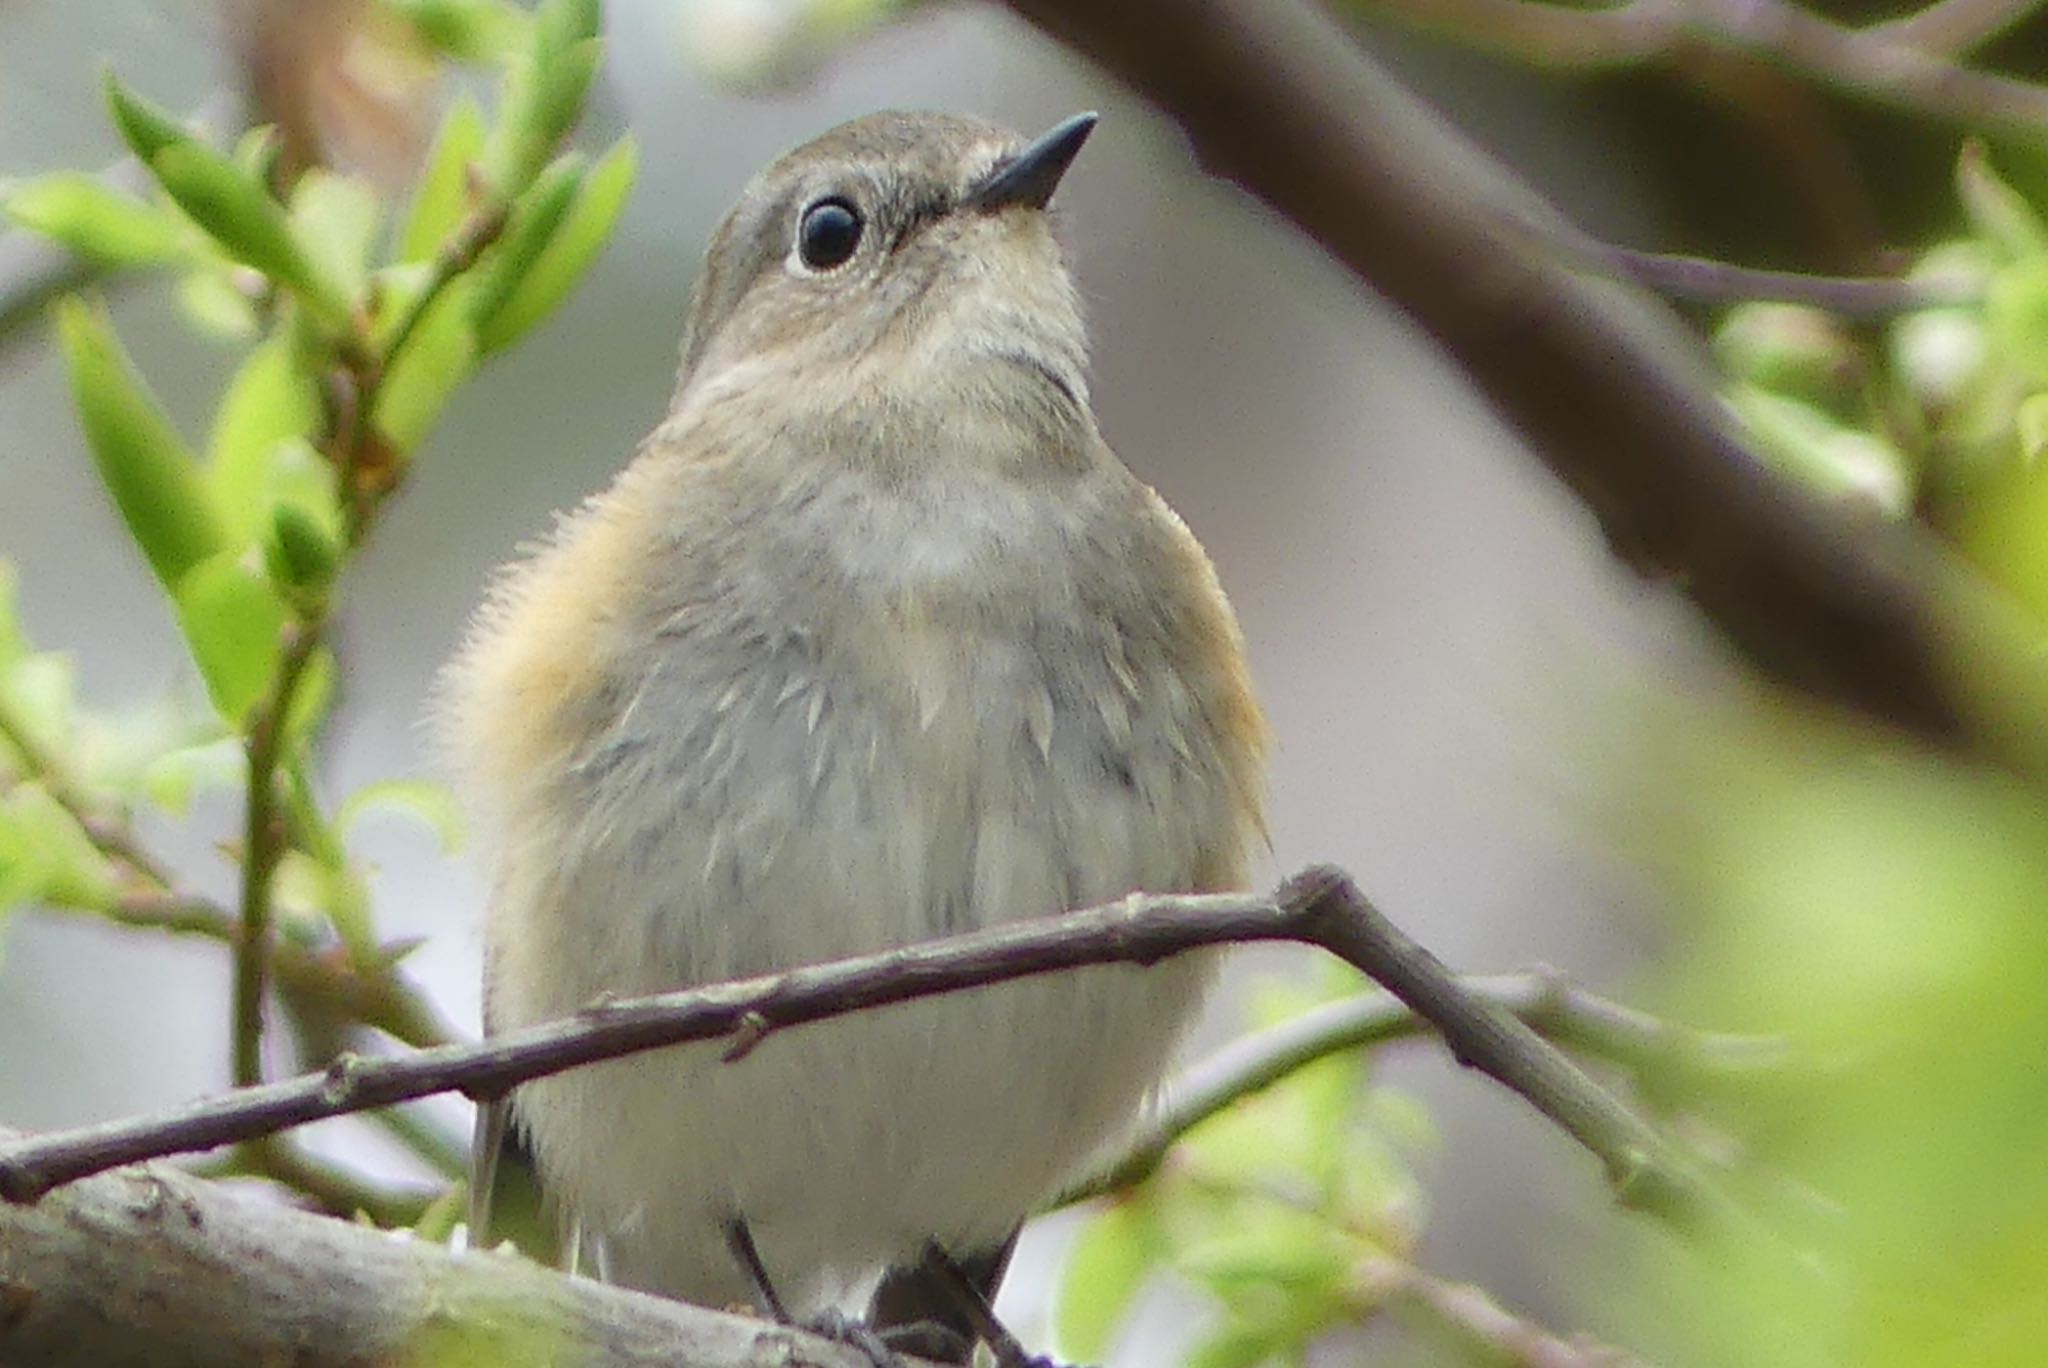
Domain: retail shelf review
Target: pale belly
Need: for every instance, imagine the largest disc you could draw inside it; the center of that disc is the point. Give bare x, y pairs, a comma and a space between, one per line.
791, 825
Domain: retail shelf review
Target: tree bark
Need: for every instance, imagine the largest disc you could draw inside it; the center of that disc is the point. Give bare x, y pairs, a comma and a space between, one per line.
152, 1268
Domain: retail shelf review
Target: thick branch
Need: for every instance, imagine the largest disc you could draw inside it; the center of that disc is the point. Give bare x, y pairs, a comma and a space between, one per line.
1602, 382
1321, 907
152, 1268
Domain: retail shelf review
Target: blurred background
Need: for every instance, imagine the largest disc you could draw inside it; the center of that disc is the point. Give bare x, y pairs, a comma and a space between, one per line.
1456, 670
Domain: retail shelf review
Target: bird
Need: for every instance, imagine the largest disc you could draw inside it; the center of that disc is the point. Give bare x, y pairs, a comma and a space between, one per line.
874, 640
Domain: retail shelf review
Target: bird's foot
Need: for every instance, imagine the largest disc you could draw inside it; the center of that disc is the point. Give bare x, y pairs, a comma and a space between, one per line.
843, 1329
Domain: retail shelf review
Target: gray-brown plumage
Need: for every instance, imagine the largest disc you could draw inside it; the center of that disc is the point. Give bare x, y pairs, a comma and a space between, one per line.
873, 641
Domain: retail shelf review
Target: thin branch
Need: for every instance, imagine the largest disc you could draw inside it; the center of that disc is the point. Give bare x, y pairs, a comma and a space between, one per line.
1872, 64
109, 833
1953, 27
1562, 1014
1509, 1339
460, 252
1704, 281
1605, 385
263, 847
1320, 907
379, 999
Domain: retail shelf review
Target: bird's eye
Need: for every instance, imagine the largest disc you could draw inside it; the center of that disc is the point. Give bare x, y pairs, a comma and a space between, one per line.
828, 234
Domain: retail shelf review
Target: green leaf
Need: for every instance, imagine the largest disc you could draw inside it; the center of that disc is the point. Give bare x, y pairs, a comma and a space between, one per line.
444, 197
258, 152
271, 401
1942, 356
542, 102
141, 458
171, 780
467, 30
428, 803
436, 1225
236, 210
2016, 310
1793, 349
301, 557
570, 252
315, 695
303, 889
1239, 1345
336, 218
42, 695
440, 355
301, 476
2031, 421
231, 618
214, 305
1997, 211
46, 857
1106, 1268
99, 223
1270, 1244
559, 25
535, 217
230, 202
1812, 447
14, 645
147, 128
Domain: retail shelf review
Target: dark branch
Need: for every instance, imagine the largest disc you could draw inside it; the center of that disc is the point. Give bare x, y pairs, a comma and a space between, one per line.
1603, 383
1321, 907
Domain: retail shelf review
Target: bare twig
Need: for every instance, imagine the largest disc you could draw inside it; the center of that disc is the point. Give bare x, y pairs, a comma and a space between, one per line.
1321, 907
109, 832
263, 846
1566, 1016
1703, 281
1474, 1313
378, 998
1874, 65
1606, 387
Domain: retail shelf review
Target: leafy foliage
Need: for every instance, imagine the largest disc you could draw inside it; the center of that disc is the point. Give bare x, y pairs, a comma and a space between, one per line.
1284, 1210
357, 314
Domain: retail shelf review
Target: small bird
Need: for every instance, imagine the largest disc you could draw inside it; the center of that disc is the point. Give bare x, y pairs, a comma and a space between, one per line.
874, 641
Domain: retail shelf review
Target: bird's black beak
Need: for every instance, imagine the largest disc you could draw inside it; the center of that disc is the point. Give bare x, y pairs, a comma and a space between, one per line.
1028, 179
